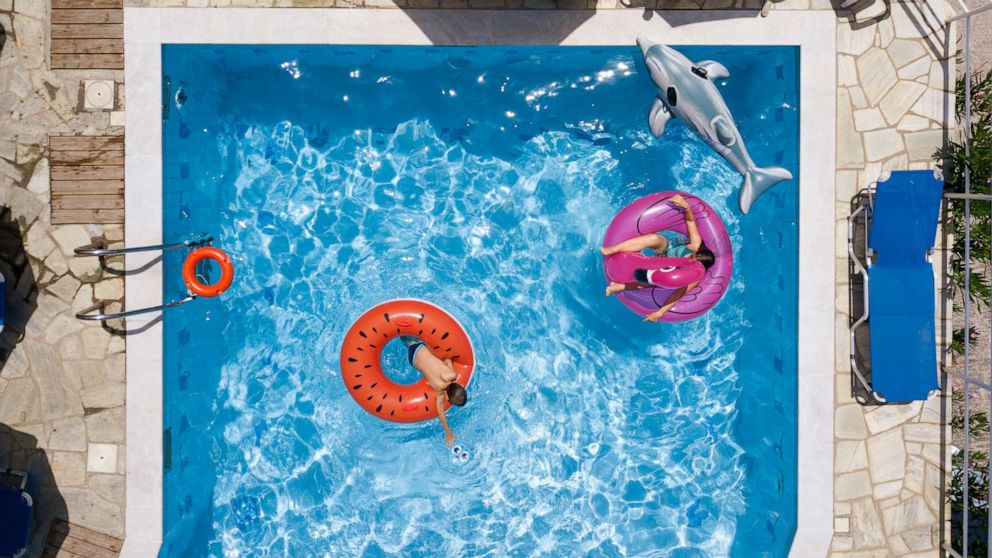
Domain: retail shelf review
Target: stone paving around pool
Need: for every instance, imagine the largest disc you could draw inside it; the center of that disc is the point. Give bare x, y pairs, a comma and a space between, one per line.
62, 380
894, 96
62, 385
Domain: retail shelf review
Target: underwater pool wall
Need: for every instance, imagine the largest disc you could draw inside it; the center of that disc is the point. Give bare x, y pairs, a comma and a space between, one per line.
147, 29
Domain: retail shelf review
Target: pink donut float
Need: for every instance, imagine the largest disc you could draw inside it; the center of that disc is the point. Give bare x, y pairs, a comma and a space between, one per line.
655, 213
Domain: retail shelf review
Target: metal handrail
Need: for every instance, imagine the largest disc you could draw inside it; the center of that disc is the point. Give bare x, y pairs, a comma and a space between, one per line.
972, 197
966, 379
968, 13
85, 314
197, 239
965, 374
193, 241
967, 288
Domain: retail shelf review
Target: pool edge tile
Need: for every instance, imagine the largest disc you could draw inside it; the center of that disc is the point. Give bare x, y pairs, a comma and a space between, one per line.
812, 31
143, 226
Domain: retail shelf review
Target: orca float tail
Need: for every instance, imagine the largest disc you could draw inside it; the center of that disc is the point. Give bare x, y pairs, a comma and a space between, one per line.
757, 180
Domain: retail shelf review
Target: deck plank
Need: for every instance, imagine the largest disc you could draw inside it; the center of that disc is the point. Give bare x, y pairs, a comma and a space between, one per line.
52, 552
93, 143
87, 172
87, 46
94, 537
80, 547
87, 157
101, 31
87, 61
87, 201
88, 16
83, 4
86, 216
87, 179
83, 187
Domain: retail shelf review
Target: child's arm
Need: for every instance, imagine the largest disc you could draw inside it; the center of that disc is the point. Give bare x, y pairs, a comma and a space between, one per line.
673, 299
449, 436
695, 241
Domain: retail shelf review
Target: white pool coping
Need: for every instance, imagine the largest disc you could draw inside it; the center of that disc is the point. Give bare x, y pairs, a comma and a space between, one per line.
146, 29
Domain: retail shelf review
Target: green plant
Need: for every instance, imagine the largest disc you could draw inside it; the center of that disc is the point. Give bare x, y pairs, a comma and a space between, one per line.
977, 161
957, 341
977, 481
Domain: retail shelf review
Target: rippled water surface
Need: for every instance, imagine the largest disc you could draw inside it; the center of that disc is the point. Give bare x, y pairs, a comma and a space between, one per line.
481, 179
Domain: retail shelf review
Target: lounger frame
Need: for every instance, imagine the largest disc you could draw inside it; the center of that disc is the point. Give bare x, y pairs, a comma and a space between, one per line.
862, 270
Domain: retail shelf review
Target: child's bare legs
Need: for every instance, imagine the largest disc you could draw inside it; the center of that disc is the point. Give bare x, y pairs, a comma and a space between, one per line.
614, 288
653, 241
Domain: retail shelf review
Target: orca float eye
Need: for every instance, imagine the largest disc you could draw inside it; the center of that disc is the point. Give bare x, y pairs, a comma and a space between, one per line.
673, 96
667, 269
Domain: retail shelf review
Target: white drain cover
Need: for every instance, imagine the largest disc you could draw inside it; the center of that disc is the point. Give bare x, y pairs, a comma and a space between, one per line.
102, 458
98, 94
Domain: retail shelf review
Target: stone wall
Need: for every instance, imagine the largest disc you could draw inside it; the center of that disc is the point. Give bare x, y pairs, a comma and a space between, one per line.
61, 380
895, 81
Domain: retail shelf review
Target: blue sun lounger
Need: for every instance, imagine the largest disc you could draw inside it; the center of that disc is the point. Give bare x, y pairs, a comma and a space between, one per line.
16, 507
901, 220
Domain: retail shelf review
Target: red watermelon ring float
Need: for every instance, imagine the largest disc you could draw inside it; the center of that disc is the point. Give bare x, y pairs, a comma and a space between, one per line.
361, 358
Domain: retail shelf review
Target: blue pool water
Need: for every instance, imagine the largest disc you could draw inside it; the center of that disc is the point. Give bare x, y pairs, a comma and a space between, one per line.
481, 179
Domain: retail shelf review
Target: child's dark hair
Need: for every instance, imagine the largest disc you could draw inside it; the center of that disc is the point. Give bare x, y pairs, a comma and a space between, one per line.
705, 257
456, 394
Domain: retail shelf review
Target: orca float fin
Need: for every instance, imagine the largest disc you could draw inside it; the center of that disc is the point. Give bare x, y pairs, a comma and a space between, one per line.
659, 117
724, 132
714, 69
757, 180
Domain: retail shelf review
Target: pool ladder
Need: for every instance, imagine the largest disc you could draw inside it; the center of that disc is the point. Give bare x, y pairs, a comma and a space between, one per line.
96, 312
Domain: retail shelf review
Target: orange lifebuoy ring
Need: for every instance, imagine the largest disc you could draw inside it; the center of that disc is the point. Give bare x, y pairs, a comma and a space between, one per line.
361, 362
208, 253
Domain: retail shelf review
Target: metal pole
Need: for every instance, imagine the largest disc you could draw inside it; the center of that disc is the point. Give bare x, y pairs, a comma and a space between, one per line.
101, 317
968, 13
194, 240
956, 374
988, 469
972, 197
967, 289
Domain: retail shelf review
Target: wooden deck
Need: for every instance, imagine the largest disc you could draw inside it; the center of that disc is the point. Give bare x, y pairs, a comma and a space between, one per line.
87, 179
87, 34
66, 540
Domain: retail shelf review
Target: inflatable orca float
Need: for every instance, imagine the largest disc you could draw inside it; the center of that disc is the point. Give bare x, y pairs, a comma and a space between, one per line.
686, 90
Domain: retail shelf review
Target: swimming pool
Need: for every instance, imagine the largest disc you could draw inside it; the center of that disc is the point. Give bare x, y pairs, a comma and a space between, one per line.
481, 179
